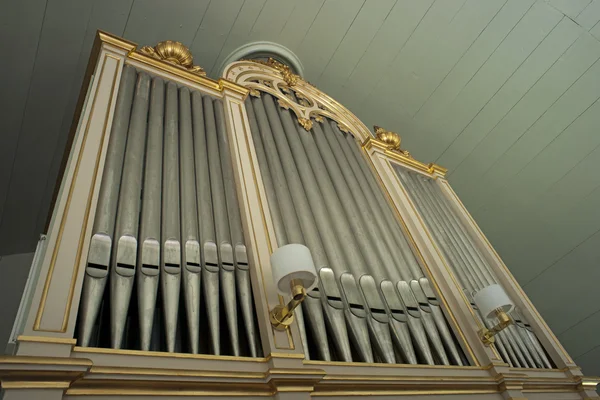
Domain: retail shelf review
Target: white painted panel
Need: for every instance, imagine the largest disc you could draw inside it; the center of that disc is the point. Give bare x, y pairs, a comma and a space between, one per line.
20, 26
583, 336
519, 84
152, 21
573, 278
395, 31
546, 129
212, 33
419, 72
590, 16
297, 26
56, 63
238, 35
109, 16
523, 39
493, 35
527, 111
571, 8
353, 46
333, 21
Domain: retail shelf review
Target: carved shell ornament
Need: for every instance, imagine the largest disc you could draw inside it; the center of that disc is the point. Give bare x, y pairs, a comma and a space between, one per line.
175, 53
390, 139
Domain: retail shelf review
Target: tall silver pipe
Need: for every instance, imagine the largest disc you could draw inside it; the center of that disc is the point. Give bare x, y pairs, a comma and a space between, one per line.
225, 250
242, 273
519, 331
280, 231
306, 199
451, 252
209, 252
305, 152
190, 255
126, 230
461, 247
99, 255
148, 261
171, 255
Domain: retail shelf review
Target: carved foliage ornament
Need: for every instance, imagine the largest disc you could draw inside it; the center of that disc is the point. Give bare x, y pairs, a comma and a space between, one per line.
175, 53
287, 75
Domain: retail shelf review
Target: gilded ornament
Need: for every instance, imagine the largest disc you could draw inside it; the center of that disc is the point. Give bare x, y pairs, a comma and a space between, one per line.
254, 93
283, 104
343, 128
306, 123
287, 75
391, 139
319, 118
174, 53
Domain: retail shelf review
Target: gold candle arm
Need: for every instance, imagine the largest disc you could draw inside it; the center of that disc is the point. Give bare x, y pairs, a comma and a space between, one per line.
282, 316
487, 335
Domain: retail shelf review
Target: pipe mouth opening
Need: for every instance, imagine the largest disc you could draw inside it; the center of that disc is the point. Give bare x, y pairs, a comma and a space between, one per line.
262, 51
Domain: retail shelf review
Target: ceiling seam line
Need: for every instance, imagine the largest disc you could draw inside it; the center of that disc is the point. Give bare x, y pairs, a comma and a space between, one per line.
226, 39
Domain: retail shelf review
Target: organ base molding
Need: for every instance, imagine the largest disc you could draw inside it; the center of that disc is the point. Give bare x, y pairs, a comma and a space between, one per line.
154, 278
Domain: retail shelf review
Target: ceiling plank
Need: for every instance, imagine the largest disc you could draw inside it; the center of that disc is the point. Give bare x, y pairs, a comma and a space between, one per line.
567, 276
420, 71
333, 22
238, 35
511, 92
107, 15
356, 41
395, 31
571, 8
498, 68
301, 20
583, 336
153, 21
56, 62
20, 27
271, 20
212, 33
550, 126
589, 17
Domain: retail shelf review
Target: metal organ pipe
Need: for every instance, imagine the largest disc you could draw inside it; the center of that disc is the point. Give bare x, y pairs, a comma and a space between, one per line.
148, 263
168, 218
126, 232
99, 255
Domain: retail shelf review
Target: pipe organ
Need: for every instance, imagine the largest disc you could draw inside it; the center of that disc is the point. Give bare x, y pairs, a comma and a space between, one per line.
154, 275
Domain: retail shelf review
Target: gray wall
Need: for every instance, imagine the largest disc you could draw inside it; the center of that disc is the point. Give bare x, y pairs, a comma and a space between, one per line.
13, 276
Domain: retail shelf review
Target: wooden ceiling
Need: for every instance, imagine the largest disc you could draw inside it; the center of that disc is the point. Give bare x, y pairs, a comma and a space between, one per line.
503, 93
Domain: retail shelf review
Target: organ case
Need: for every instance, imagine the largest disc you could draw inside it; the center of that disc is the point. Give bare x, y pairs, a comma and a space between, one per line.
154, 275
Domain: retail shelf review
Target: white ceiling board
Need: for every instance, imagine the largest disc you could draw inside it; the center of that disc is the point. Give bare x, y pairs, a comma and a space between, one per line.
590, 16
517, 86
389, 40
576, 100
583, 336
420, 71
152, 21
55, 66
333, 21
240, 30
212, 33
589, 362
582, 262
271, 20
422, 45
525, 112
16, 76
353, 45
571, 8
508, 57
109, 16
483, 47
297, 26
